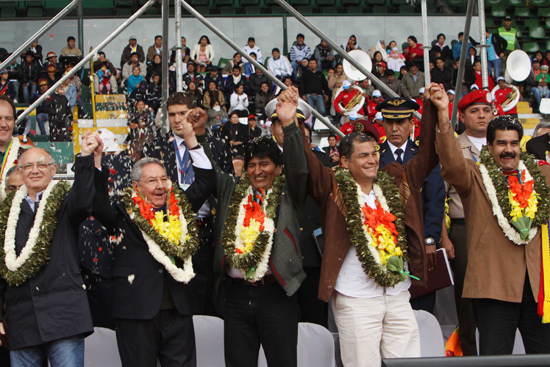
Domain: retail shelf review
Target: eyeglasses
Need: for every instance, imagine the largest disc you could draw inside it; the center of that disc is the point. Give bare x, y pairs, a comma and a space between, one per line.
29, 166
154, 181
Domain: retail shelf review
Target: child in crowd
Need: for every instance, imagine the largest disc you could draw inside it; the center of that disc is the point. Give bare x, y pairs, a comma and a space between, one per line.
133, 80
104, 75
542, 81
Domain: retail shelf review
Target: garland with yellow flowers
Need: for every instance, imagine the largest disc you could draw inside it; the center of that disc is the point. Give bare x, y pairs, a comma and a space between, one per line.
249, 228
379, 234
520, 204
175, 238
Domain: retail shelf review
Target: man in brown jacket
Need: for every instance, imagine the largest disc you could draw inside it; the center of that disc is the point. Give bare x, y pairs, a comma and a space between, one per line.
504, 263
371, 302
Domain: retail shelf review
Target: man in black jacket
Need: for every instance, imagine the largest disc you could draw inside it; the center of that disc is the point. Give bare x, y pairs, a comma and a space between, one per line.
130, 49
43, 293
153, 297
314, 87
30, 72
170, 149
441, 74
60, 115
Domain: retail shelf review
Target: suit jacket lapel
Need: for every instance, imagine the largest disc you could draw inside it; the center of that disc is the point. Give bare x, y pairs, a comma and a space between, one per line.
411, 151
386, 156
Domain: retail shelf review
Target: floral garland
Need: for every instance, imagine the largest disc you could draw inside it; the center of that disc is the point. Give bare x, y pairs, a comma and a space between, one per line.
18, 269
249, 228
386, 268
176, 238
12, 153
507, 204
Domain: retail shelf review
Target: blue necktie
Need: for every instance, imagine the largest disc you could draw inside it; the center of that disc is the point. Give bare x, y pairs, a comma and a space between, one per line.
186, 166
399, 152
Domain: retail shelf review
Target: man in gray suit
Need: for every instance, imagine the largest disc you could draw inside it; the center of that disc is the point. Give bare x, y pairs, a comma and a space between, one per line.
257, 259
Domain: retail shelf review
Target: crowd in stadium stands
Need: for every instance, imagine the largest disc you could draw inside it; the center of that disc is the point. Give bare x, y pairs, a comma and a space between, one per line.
124, 250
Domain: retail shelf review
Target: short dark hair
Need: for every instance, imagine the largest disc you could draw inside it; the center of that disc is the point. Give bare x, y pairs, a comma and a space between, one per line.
460, 34
236, 67
439, 58
346, 144
300, 35
332, 136
286, 77
180, 98
235, 54
263, 147
101, 53
504, 122
389, 72
441, 34
158, 36
413, 38
233, 113
275, 49
251, 39
6, 98
70, 38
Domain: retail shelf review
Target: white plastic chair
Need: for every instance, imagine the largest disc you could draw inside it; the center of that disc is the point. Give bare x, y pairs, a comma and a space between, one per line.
315, 347
100, 349
209, 341
431, 336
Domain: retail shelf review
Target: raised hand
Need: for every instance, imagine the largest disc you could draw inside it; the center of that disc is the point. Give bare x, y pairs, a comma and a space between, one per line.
287, 105
436, 93
188, 129
197, 117
89, 143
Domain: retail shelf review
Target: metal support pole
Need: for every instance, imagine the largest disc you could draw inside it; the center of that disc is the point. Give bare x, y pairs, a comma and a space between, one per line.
39, 33
256, 64
165, 77
86, 59
381, 86
483, 45
80, 15
427, 45
179, 64
462, 64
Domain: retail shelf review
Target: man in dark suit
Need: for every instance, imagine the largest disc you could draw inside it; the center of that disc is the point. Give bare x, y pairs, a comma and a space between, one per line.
153, 305
399, 148
46, 302
260, 305
332, 150
179, 168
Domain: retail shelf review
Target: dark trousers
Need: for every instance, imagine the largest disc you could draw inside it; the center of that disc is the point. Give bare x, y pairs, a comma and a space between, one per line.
168, 337
203, 283
425, 302
497, 322
312, 309
465, 312
257, 315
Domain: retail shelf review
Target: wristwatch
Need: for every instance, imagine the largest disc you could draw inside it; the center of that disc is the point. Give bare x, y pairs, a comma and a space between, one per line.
429, 241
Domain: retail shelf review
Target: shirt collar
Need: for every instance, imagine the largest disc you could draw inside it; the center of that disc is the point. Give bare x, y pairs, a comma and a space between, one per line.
394, 148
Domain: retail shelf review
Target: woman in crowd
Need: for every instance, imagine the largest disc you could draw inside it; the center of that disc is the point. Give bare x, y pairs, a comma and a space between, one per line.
239, 101
213, 94
216, 116
263, 97
196, 93
203, 54
351, 45
154, 67
414, 51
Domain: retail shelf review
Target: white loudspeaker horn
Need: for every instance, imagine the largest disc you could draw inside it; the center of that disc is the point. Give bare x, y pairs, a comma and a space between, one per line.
363, 59
518, 66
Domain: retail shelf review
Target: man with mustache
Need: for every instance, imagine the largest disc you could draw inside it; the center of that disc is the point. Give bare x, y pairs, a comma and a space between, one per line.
505, 198
476, 112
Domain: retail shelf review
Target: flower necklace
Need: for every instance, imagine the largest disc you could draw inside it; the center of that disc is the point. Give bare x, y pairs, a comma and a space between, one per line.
177, 237
520, 203
10, 158
249, 227
379, 234
35, 254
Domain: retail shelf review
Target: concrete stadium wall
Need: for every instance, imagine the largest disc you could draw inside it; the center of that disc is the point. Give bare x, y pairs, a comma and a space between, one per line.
268, 31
